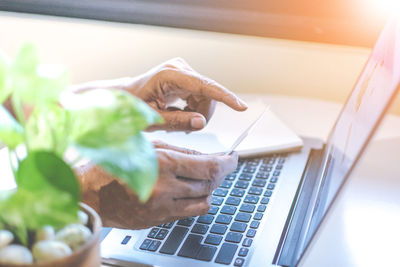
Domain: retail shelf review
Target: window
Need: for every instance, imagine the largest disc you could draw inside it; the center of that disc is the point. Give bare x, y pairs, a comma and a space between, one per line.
350, 22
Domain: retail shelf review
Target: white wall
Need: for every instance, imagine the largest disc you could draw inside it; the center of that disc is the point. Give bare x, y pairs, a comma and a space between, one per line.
100, 50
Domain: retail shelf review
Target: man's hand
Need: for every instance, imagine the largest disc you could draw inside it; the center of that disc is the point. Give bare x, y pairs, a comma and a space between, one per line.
163, 85
184, 187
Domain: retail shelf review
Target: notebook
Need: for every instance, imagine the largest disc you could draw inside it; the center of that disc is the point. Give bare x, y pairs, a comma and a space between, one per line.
269, 135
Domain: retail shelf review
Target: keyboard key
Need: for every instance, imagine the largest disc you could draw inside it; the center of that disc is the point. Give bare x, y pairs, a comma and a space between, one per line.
234, 237
220, 192
271, 186
242, 184
264, 200
268, 193
230, 210
279, 167
238, 262
162, 234
186, 221
247, 208
266, 168
224, 219
206, 253
230, 177
254, 224
174, 240
206, 219
255, 191
259, 183
243, 217
218, 229
274, 179
168, 225
217, 201
249, 170
237, 192
243, 252
200, 228
226, 253
262, 175
154, 245
213, 239
213, 210
126, 240
261, 208
258, 216
153, 232
247, 242
235, 201
145, 245
226, 184
251, 199
251, 233
281, 161
191, 246
276, 173
245, 176
238, 227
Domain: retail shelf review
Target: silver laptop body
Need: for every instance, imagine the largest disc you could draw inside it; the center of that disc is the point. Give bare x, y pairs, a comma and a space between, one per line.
290, 193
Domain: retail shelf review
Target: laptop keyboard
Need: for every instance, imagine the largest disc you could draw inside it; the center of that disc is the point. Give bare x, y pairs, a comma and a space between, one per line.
226, 233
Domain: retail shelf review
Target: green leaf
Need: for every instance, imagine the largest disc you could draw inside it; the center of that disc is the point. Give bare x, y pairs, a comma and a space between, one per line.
11, 132
106, 117
134, 161
48, 194
48, 128
45, 169
34, 83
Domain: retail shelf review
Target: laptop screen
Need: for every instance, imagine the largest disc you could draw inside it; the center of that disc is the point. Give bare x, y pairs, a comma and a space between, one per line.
365, 107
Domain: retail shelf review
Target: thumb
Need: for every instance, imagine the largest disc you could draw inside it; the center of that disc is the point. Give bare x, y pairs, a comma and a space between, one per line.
179, 120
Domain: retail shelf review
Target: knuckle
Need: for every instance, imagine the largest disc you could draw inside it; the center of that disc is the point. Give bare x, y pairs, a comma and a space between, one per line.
214, 169
165, 72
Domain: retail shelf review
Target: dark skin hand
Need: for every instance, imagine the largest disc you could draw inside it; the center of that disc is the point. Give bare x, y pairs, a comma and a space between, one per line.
184, 187
186, 178
164, 84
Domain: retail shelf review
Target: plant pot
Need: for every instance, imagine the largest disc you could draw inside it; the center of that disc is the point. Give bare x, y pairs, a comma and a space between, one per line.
87, 255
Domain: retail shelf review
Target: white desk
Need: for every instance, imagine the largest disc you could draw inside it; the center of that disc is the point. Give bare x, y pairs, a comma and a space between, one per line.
363, 228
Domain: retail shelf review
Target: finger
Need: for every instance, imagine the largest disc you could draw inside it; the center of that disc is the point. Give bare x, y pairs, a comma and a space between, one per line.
161, 145
180, 121
197, 84
193, 206
194, 188
204, 106
203, 167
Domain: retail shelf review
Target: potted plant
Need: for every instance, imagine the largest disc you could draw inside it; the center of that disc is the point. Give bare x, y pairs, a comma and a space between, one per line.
42, 222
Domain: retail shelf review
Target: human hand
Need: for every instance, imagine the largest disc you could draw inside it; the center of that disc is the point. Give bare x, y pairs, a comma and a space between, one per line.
164, 84
183, 189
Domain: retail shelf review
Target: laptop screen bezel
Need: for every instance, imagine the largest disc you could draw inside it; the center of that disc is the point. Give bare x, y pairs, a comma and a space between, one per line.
326, 154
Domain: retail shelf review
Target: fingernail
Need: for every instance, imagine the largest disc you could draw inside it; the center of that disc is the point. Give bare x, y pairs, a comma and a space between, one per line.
197, 123
242, 103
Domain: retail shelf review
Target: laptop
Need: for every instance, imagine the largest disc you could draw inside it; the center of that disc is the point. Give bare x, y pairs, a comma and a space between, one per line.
268, 210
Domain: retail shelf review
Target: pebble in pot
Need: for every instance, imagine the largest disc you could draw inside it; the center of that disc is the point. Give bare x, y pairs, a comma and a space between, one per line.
48, 250
6, 237
15, 254
46, 233
74, 235
83, 217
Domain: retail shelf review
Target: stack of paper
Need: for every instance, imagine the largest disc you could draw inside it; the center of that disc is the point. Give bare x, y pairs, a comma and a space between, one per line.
269, 135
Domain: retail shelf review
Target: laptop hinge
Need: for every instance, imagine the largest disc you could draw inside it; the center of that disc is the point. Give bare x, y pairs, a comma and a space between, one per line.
286, 251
